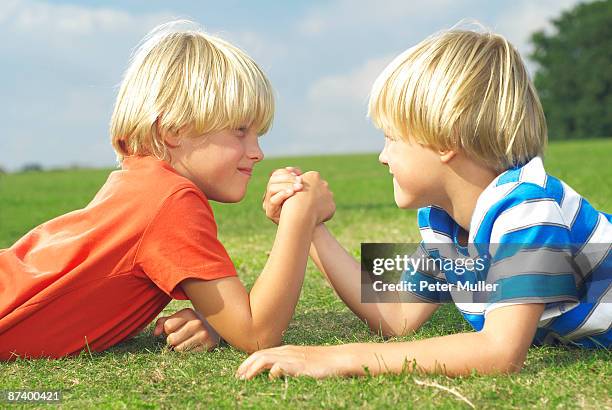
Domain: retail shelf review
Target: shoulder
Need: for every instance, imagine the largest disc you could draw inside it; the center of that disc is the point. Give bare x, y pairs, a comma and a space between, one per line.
187, 209
528, 197
148, 192
518, 199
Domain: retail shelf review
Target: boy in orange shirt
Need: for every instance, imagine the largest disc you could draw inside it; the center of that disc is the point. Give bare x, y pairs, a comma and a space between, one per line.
185, 128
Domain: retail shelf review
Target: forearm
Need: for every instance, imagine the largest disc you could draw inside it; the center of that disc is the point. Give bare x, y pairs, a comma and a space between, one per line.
344, 274
453, 355
276, 291
342, 271
257, 320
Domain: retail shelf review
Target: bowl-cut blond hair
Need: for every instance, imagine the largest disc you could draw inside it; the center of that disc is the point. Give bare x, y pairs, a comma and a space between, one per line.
184, 77
462, 90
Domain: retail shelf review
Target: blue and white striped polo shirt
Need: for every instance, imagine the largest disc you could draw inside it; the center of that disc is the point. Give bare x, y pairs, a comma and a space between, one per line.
542, 242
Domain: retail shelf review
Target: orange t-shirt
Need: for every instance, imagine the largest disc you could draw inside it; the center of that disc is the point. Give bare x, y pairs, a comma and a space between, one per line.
96, 276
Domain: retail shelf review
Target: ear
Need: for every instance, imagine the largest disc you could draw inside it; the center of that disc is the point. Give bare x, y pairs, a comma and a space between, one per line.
446, 155
169, 137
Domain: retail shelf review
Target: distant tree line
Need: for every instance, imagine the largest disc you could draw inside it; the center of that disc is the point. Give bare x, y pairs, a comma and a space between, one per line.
31, 167
36, 167
574, 74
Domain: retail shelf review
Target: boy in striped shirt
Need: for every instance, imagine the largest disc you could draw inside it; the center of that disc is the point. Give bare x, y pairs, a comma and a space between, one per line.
465, 134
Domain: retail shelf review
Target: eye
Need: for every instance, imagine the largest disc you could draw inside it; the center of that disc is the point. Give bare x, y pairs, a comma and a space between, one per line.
240, 132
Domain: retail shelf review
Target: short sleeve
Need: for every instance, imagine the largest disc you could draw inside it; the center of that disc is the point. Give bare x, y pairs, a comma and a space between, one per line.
181, 242
531, 256
427, 283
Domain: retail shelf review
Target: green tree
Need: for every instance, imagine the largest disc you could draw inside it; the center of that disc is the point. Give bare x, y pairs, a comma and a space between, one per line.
574, 74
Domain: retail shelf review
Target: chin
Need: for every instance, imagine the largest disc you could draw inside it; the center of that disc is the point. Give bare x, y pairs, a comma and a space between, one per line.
404, 201
230, 197
403, 205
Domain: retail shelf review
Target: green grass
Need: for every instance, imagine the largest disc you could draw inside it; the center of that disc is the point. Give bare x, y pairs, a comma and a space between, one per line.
143, 373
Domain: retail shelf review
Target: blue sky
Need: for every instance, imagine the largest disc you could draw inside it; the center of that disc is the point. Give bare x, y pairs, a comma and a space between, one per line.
63, 60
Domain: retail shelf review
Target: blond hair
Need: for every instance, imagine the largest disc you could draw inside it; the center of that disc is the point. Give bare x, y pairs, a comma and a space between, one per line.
462, 89
185, 77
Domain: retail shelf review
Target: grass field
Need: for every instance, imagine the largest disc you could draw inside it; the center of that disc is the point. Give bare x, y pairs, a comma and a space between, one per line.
143, 373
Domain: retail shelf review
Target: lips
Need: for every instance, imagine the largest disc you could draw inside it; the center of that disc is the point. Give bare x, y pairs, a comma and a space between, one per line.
246, 171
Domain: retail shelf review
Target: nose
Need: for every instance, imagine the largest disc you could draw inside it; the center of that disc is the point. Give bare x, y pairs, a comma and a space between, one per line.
255, 153
382, 157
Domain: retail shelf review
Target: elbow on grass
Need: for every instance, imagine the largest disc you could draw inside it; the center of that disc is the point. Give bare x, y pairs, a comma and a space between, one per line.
507, 361
512, 364
502, 367
388, 330
259, 342
505, 355
498, 365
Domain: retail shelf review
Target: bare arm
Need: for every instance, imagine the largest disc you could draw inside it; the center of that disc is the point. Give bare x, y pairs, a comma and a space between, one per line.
344, 274
258, 320
501, 347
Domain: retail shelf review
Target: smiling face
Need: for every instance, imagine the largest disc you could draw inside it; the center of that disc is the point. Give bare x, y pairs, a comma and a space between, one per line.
417, 172
219, 163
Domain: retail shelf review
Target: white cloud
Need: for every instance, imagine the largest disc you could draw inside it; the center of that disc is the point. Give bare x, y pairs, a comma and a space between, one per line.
364, 14
70, 37
61, 63
332, 117
350, 88
516, 19
45, 18
258, 46
526, 17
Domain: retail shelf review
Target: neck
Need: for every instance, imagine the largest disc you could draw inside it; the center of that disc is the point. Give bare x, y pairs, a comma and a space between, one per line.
464, 183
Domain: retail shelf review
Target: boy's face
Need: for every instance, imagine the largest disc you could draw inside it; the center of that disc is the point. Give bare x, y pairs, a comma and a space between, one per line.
416, 170
219, 163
